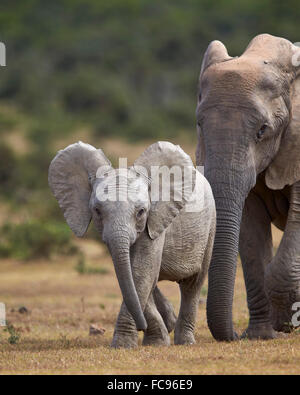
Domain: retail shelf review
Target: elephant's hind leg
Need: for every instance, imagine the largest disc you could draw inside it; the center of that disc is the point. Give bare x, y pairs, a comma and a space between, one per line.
165, 309
190, 295
156, 333
256, 251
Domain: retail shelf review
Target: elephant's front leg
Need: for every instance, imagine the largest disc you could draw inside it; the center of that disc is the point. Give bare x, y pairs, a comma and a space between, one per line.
157, 332
125, 333
145, 259
256, 251
283, 274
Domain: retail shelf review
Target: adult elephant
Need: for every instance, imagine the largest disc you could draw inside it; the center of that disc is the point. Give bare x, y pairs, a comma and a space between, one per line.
248, 121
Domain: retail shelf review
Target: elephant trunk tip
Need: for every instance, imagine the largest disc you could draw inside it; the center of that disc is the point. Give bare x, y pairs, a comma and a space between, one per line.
222, 335
141, 324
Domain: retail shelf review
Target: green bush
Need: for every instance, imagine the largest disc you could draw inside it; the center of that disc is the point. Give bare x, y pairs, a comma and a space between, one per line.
121, 60
8, 164
120, 68
31, 240
7, 121
14, 336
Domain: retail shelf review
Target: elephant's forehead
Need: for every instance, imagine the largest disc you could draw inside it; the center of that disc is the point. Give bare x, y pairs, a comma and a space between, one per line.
230, 80
122, 185
242, 75
140, 187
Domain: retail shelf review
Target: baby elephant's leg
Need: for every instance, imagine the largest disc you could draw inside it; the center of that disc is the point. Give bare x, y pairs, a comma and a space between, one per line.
190, 294
145, 257
156, 333
165, 309
125, 333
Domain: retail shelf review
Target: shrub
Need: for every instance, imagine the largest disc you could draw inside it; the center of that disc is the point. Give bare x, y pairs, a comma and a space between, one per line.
14, 336
83, 268
8, 163
31, 240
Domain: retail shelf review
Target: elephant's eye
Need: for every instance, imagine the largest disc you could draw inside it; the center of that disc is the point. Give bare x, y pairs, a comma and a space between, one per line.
261, 132
140, 212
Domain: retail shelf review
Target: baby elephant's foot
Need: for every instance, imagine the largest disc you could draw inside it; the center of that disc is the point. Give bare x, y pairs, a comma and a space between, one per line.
124, 341
151, 341
184, 337
161, 338
259, 331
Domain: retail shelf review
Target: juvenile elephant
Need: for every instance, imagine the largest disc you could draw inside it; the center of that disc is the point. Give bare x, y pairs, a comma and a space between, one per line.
248, 121
149, 239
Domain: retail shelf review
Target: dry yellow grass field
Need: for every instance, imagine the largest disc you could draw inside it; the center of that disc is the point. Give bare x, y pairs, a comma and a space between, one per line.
54, 335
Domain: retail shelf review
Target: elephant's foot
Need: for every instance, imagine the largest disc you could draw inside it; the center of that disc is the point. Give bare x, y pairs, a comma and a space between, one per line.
282, 299
153, 340
281, 310
282, 319
259, 331
124, 340
184, 336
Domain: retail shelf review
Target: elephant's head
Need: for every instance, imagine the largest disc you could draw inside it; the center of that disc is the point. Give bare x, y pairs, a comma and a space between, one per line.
119, 201
248, 122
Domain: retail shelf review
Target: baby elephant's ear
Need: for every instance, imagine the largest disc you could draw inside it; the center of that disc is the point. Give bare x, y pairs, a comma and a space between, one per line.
172, 179
71, 175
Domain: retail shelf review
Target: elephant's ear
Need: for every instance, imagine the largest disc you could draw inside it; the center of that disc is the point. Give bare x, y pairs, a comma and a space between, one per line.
172, 179
285, 168
71, 175
216, 53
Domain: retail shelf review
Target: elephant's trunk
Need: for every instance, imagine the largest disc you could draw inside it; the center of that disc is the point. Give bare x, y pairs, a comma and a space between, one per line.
119, 248
230, 189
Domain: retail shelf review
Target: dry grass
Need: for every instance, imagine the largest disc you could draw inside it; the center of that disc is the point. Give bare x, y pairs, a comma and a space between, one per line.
55, 334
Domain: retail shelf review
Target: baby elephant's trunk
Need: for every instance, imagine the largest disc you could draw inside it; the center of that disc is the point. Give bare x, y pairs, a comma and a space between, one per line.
119, 249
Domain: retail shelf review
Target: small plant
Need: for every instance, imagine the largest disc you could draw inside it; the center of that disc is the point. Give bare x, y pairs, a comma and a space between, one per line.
203, 291
80, 267
83, 268
65, 342
14, 336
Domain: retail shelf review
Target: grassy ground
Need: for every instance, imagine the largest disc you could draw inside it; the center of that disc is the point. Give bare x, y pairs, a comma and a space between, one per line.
54, 335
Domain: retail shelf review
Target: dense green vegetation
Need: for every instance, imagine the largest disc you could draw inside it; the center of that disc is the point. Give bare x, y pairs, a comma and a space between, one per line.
117, 67
34, 239
125, 67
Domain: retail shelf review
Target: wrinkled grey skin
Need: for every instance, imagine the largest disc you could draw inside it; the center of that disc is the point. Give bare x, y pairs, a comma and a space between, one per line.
148, 241
248, 117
